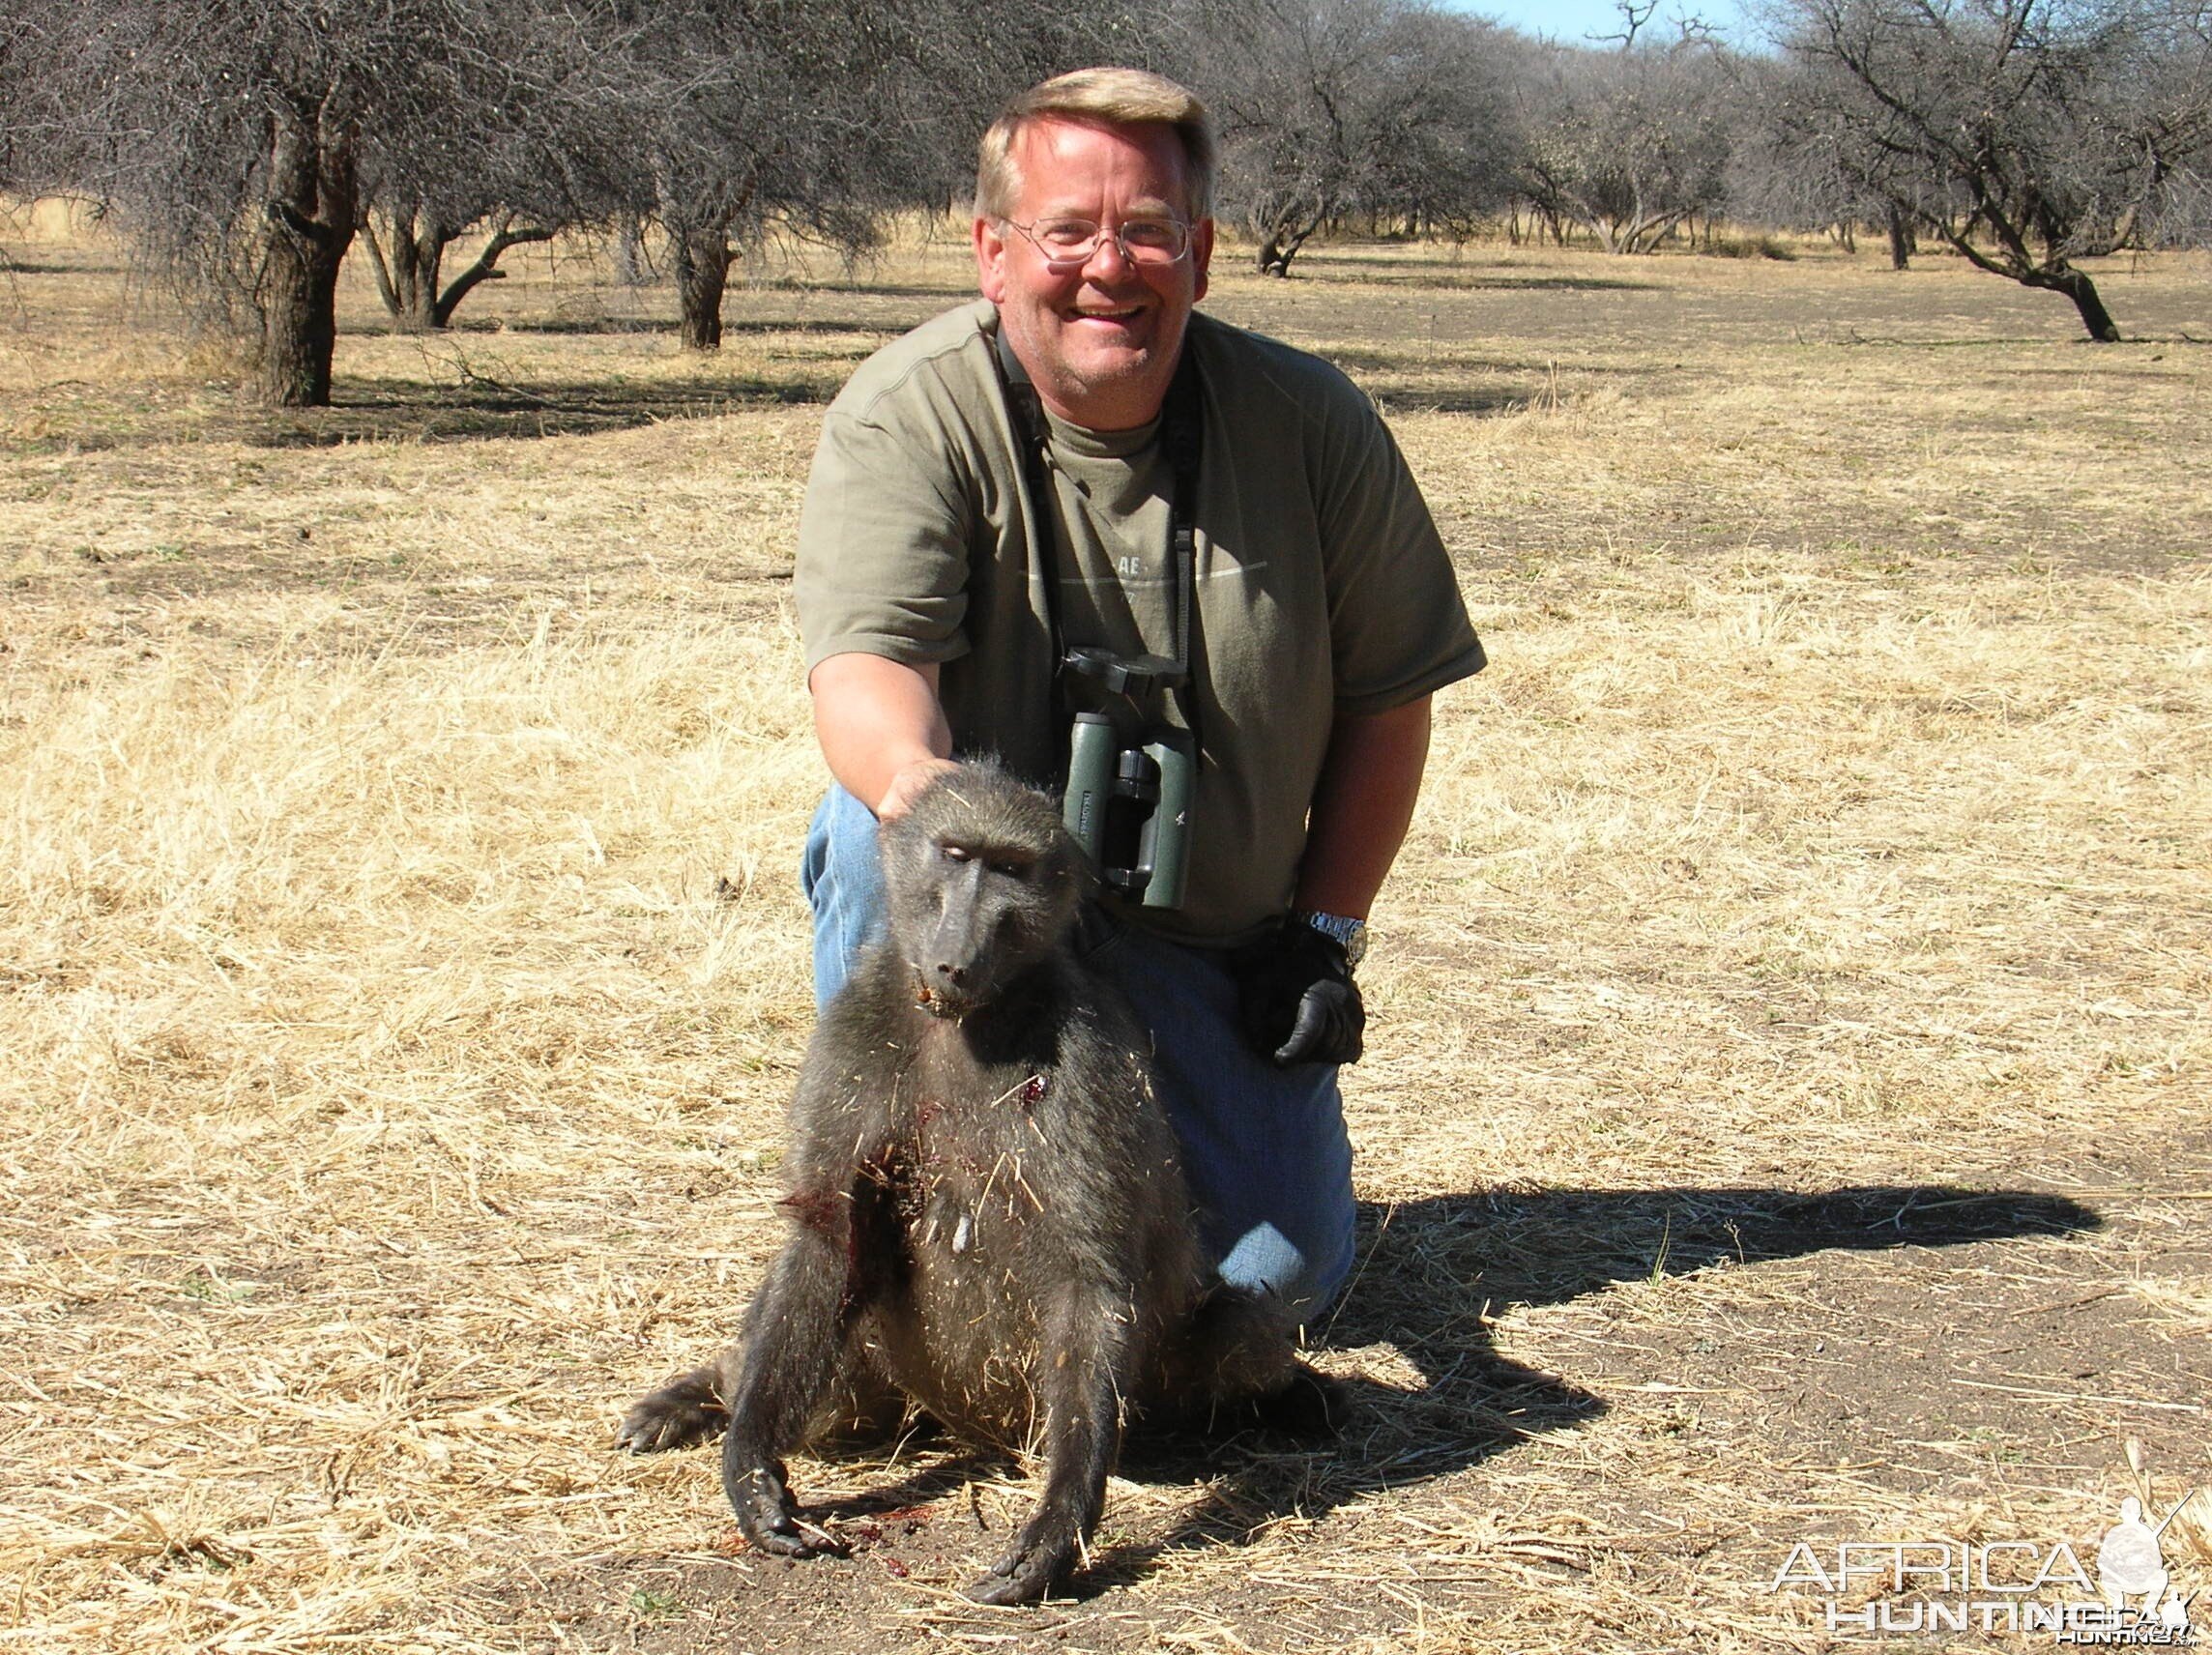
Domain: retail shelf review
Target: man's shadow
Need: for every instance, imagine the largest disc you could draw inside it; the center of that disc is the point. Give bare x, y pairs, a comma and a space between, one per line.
1433, 1273
1431, 1276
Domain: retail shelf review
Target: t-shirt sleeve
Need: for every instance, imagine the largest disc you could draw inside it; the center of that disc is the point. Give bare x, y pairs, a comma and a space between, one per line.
883, 547
1398, 626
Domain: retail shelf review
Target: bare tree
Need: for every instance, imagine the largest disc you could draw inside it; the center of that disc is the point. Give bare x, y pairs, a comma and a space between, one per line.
240, 139
407, 245
491, 154
723, 122
1633, 15
1627, 144
1329, 107
817, 117
1789, 168
2063, 125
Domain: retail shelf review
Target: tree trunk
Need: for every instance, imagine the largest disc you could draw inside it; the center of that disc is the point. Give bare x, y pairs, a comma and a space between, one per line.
1287, 233
631, 269
1901, 248
486, 268
702, 259
2082, 291
2012, 259
311, 211
407, 269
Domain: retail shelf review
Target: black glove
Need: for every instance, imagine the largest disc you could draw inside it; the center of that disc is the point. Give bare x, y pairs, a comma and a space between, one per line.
1298, 1000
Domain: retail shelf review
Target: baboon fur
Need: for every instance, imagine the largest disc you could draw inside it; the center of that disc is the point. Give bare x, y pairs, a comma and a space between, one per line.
986, 1212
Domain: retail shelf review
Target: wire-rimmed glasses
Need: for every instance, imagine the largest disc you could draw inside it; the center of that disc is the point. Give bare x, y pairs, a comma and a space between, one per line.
1069, 244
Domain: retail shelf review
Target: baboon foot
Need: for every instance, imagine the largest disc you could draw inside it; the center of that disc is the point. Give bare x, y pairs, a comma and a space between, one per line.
1311, 1406
682, 1413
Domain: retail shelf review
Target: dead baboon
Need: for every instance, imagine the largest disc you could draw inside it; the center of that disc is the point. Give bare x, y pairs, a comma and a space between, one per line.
986, 1209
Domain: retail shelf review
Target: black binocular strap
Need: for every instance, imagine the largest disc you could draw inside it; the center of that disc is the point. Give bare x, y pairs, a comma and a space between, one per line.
1182, 426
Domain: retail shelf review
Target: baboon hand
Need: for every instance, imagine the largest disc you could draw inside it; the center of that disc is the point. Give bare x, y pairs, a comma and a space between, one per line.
682, 1413
765, 1516
1049, 1545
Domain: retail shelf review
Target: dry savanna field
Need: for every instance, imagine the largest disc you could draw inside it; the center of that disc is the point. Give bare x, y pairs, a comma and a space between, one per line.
1787, 1118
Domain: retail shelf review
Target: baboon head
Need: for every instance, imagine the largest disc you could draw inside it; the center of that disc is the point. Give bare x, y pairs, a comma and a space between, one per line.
981, 881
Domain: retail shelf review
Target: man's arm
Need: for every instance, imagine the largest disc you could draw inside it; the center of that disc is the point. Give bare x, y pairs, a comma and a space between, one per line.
1295, 990
881, 726
1362, 805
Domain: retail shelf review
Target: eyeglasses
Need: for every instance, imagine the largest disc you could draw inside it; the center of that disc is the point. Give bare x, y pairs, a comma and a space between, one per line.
1071, 243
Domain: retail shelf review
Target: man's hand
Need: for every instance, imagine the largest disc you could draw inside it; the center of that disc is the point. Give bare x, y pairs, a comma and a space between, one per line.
1298, 1000
906, 783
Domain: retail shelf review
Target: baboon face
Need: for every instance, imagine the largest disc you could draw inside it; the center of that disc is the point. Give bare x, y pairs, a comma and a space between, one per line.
982, 881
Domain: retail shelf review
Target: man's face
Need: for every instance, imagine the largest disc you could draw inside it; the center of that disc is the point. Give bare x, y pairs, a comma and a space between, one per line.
1100, 341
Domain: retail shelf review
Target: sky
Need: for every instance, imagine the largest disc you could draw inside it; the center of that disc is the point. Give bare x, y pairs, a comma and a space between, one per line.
1571, 21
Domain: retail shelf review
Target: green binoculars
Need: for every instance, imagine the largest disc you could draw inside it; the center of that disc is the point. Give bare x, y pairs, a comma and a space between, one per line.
1128, 806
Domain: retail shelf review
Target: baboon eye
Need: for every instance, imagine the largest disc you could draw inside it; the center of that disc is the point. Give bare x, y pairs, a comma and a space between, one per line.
954, 852
1009, 868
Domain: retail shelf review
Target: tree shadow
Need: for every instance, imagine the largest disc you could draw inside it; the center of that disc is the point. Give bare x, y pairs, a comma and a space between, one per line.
47, 267
1488, 400
1433, 1273
1451, 275
1846, 336
1399, 375
872, 332
486, 410
949, 290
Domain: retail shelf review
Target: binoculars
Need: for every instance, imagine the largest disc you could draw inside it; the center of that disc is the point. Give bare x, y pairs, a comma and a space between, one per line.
1128, 806
1128, 802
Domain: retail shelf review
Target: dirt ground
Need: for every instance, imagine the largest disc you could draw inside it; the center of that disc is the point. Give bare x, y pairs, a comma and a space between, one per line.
1786, 1117
1629, 1477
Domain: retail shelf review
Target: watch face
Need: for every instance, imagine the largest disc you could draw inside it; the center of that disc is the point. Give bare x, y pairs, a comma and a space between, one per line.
1351, 933
1356, 944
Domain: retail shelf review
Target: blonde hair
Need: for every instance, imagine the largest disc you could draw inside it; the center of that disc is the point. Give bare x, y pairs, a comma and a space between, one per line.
1104, 96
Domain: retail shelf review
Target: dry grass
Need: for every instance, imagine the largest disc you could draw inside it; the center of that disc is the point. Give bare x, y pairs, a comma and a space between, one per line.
401, 974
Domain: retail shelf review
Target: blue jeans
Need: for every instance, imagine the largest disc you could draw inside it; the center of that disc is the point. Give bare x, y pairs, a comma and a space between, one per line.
1263, 1148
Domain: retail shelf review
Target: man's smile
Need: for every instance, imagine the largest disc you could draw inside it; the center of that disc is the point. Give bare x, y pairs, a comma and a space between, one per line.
1107, 312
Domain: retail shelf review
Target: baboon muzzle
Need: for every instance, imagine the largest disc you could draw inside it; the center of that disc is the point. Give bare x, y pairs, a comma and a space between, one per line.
953, 967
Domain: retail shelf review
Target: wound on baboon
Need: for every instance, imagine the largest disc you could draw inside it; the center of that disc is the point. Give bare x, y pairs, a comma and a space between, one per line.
987, 1217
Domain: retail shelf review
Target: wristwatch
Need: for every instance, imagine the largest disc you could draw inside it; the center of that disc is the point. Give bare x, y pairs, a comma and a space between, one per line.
1351, 933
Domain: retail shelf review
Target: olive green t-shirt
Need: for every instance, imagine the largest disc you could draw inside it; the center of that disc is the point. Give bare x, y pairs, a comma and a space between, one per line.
1320, 583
